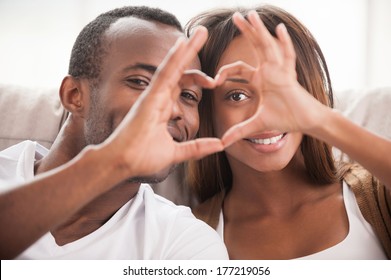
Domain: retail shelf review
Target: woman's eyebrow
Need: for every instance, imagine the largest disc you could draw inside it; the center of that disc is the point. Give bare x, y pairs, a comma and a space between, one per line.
237, 80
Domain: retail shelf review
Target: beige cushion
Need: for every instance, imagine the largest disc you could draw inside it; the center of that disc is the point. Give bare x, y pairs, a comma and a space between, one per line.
29, 113
37, 114
368, 108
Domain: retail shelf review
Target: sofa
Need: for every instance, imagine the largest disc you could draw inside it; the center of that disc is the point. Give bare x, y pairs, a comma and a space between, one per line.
37, 114
29, 113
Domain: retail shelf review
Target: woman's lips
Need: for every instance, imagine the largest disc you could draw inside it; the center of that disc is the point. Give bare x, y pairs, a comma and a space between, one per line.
267, 143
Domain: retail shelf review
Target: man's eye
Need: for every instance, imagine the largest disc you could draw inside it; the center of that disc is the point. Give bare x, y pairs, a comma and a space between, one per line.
189, 95
237, 96
137, 83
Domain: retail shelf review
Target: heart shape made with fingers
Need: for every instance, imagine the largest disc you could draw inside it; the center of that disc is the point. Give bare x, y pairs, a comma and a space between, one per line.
246, 102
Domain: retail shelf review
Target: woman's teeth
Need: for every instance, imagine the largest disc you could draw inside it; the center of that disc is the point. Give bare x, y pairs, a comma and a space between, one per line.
266, 141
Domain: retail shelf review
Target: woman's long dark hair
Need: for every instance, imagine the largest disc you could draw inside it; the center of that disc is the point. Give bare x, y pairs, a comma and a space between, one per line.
213, 173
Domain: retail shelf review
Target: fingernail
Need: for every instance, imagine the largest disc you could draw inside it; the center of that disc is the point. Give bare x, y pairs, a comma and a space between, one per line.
282, 27
253, 13
238, 15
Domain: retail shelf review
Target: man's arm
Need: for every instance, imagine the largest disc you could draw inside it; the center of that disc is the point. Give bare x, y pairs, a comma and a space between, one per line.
34, 208
134, 149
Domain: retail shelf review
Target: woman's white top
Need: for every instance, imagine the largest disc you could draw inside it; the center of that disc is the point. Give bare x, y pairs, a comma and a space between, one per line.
360, 243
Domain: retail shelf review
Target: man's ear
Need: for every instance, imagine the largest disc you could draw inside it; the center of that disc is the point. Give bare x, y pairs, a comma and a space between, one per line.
73, 96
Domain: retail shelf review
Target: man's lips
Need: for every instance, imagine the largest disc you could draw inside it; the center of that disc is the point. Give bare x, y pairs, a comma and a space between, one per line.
176, 133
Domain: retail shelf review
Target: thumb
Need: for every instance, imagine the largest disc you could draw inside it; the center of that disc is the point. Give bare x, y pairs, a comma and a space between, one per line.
197, 149
242, 130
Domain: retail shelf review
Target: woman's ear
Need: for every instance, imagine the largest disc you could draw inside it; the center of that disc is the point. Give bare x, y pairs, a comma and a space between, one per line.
72, 96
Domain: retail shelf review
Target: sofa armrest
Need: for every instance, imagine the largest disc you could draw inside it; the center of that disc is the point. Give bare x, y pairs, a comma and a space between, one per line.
29, 114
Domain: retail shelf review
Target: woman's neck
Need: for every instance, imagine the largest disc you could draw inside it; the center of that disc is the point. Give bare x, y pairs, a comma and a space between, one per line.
275, 192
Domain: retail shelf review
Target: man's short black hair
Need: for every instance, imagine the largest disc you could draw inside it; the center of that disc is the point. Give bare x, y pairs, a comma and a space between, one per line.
89, 48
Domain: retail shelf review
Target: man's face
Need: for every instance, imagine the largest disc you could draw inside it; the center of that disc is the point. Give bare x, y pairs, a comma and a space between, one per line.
135, 48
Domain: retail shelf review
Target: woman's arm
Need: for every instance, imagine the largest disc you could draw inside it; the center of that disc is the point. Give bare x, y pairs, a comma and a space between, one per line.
285, 105
368, 149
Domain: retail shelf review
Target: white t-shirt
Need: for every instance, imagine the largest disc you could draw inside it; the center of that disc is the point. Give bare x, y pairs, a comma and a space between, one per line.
147, 227
360, 243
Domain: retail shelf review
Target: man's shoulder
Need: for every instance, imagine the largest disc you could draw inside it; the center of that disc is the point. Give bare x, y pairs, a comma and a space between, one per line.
15, 150
165, 210
151, 198
189, 237
17, 163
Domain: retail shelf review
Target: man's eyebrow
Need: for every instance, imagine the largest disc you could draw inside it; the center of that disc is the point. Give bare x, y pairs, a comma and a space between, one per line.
147, 67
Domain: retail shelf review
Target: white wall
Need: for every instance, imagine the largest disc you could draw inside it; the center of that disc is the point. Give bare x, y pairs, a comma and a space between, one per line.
379, 43
36, 37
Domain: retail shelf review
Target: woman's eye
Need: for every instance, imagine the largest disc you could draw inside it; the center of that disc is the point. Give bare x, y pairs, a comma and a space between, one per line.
237, 96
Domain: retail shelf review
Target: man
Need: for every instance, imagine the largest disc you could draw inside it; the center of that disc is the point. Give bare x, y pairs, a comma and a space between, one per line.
89, 194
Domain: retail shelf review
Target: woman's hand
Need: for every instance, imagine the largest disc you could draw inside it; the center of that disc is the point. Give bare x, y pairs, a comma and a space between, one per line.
284, 104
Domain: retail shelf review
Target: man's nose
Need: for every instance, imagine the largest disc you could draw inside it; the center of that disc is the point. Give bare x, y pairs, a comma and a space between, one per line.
177, 111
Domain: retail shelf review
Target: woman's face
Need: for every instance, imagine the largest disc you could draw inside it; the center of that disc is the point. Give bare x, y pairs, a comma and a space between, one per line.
234, 102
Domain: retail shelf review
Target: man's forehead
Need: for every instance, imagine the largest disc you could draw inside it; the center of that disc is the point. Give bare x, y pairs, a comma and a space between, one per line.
144, 37
134, 25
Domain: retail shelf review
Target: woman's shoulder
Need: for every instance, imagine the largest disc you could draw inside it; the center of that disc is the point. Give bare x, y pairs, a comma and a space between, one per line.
373, 199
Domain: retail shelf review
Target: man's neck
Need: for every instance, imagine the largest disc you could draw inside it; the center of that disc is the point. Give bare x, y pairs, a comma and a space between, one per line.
92, 216
95, 214
67, 145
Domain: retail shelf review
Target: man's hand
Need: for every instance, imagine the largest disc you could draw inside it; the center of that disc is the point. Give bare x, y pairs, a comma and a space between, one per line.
142, 140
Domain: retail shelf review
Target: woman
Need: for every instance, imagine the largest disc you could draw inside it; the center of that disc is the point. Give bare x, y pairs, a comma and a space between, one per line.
277, 192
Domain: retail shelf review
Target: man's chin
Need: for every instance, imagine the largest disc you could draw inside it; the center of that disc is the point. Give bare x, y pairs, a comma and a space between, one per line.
146, 180
154, 179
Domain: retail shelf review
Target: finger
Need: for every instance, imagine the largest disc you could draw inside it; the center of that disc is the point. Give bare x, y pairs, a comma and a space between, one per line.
167, 70
287, 45
272, 50
197, 77
263, 38
250, 34
173, 66
164, 85
238, 71
157, 96
242, 130
196, 149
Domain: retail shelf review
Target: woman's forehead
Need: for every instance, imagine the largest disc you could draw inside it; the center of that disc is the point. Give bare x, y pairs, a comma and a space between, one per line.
239, 49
